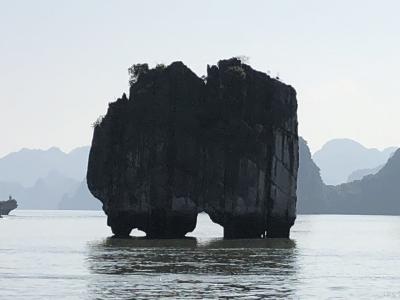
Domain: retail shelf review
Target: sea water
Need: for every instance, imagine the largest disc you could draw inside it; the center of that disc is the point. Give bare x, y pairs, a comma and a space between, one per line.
71, 255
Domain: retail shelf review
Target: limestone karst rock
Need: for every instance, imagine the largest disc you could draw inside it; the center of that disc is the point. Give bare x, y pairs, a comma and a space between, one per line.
226, 145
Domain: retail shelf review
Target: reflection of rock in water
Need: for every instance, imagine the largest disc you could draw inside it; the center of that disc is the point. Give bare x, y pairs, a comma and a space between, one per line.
190, 266
143, 242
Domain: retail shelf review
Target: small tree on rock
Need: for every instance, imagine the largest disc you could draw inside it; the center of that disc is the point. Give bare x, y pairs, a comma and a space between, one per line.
135, 71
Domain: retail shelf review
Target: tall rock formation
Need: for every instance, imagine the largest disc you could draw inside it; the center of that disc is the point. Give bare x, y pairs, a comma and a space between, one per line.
226, 145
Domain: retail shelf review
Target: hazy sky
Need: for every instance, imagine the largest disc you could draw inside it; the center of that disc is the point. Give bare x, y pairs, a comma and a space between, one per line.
61, 62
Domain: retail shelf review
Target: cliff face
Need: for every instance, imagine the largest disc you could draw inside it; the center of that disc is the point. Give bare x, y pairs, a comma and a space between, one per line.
180, 145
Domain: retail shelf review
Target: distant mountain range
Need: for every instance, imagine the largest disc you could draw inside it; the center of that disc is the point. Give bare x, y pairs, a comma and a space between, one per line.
80, 199
339, 158
374, 194
47, 179
27, 165
52, 179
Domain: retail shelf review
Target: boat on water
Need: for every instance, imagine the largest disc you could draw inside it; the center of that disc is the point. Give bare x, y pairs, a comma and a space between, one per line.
7, 206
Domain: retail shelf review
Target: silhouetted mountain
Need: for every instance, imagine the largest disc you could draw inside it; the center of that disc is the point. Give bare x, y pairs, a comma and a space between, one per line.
46, 193
39, 179
359, 174
311, 190
374, 194
80, 199
26, 166
338, 158
10, 188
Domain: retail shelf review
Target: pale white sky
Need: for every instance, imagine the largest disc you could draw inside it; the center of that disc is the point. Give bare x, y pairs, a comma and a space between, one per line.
61, 62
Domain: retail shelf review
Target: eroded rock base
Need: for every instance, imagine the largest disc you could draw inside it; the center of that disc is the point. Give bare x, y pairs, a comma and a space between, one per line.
162, 225
244, 227
158, 224
278, 229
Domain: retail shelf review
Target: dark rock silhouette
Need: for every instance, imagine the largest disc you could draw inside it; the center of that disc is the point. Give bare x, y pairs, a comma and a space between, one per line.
226, 145
7, 206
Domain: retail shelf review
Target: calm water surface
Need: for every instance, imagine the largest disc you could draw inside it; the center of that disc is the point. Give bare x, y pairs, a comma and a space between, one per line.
70, 255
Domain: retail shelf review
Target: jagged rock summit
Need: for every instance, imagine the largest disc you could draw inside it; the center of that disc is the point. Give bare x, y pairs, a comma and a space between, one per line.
226, 144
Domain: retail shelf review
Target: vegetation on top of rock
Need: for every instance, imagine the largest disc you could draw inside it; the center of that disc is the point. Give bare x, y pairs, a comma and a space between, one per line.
137, 70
